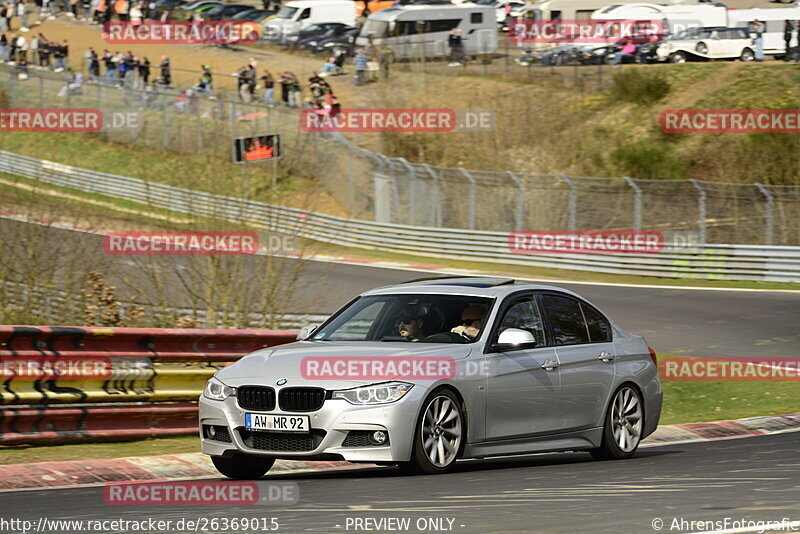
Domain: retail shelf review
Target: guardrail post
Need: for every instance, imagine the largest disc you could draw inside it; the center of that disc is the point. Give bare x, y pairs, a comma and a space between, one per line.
165, 132
769, 222
471, 179
41, 91
701, 209
436, 212
637, 203
519, 213
573, 203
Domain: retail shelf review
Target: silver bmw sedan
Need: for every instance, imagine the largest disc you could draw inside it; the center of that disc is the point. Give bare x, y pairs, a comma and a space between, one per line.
427, 372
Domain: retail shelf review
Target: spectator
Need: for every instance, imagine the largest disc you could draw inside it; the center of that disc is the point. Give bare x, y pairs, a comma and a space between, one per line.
23, 10
12, 48
629, 50
22, 50
206, 79
286, 88
456, 44
93, 65
34, 47
360, 65
86, 9
269, 88
757, 31
5, 19
131, 65
60, 53
110, 63
121, 7
797, 50
144, 72
44, 52
3, 47
788, 28
647, 52
136, 15
166, 76
330, 68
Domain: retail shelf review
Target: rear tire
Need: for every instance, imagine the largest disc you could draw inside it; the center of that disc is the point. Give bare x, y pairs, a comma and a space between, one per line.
622, 430
242, 467
439, 435
747, 55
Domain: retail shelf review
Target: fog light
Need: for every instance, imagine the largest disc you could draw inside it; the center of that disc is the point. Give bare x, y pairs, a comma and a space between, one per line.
212, 431
378, 437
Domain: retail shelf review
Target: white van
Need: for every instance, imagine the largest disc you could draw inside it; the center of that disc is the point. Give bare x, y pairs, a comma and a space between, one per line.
773, 19
294, 16
423, 30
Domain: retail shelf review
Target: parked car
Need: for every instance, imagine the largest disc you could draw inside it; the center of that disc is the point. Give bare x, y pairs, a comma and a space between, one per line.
254, 15
521, 368
191, 6
311, 37
707, 43
225, 11
344, 42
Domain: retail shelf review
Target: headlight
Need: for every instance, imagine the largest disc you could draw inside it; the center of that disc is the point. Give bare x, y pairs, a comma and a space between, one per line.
312, 43
216, 390
377, 394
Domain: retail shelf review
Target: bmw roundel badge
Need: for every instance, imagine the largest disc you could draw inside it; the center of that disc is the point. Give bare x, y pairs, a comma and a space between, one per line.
281, 382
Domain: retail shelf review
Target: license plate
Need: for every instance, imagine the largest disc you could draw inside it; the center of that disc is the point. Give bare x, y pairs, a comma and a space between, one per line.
278, 423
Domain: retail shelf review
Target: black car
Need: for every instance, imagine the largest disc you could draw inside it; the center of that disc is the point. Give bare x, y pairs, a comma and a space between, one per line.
225, 12
310, 40
254, 15
343, 42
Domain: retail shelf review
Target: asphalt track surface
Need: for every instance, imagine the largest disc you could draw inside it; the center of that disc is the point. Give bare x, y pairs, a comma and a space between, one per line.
755, 479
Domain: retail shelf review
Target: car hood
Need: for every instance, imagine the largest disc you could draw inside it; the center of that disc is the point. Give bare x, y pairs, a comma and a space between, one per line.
267, 366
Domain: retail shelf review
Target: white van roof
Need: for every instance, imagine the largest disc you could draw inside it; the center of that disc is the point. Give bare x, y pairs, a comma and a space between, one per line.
310, 3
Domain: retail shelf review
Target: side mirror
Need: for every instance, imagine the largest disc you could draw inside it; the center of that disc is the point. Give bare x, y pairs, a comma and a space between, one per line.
306, 331
514, 337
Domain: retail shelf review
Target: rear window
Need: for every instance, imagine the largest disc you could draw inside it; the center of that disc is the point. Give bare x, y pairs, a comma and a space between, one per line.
476, 18
566, 320
599, 329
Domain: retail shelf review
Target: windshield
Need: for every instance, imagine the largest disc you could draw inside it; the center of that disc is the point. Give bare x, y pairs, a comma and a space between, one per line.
409, 318
375, 28
286, 12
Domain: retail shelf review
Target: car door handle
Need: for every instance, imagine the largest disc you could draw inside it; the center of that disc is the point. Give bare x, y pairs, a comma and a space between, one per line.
605, 357
549, 365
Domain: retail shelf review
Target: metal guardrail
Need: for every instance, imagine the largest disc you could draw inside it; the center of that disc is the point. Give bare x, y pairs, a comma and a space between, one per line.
130, 369
724, 262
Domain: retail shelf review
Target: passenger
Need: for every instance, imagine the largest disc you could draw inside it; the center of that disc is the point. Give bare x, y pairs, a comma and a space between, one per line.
471, 321
410, 328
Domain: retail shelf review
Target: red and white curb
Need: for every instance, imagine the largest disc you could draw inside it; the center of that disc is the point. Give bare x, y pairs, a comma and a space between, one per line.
51, 475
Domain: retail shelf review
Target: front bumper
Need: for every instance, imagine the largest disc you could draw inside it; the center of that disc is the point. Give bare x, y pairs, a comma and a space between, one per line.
336, 418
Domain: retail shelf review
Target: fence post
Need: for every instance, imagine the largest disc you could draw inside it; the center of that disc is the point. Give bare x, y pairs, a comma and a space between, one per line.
769, 221
573, 203
165, 132
198, 125
637, 203
436, 212
412, 177
350, 181
41, 91
471, 179
701, 209
519, 212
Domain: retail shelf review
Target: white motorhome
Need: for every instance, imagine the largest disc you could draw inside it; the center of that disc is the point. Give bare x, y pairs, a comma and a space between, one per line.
674, 17
423, 30
294, 16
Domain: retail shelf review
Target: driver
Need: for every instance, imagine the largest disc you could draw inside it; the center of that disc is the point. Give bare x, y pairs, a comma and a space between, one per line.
410, 327
471, 321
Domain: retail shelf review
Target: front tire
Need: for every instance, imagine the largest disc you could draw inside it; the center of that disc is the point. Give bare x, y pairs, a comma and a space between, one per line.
747, 55
242, 467
439, 435
622, 430
677, 57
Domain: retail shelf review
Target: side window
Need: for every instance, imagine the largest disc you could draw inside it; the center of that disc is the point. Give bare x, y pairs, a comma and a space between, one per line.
566, 320
476, 18
599, 329
439, 25
584, 14
405, 27
305, 14
524, 315
555, 15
